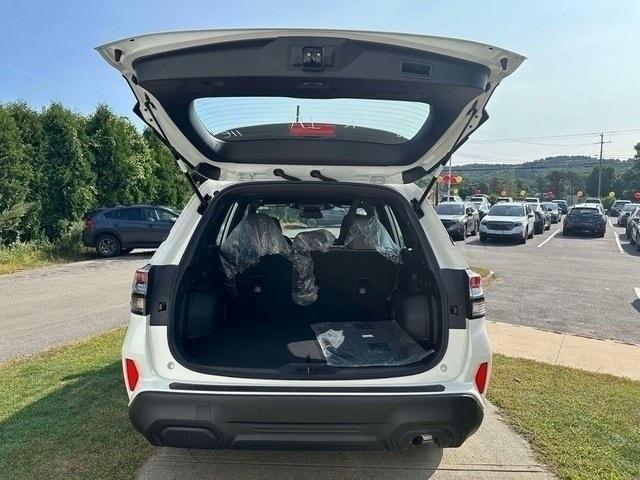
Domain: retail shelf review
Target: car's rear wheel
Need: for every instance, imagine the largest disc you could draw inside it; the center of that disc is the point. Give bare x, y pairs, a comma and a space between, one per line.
108, 246
483, 237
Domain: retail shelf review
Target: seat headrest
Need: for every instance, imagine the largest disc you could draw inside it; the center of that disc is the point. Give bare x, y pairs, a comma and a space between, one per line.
313, 240
256, 236
368, 233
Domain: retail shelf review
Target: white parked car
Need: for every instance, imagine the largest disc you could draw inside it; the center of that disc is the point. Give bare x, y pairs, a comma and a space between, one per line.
514, 220
250, 328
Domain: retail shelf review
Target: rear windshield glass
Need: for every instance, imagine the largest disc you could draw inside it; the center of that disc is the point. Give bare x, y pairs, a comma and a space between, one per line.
630, 207
551, 206
264, 118
507, 210
584, 211
477, 199
454, 209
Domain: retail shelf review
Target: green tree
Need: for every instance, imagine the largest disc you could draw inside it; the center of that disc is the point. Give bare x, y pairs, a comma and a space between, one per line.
15, 176
122, 163
607, 181
29, 125
69, 189
172, 188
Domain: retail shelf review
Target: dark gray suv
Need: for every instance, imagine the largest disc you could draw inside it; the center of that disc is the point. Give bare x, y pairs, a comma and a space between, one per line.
117, 230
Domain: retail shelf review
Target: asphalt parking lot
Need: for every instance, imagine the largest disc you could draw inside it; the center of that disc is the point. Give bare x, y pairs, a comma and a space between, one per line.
576, 284
54, 305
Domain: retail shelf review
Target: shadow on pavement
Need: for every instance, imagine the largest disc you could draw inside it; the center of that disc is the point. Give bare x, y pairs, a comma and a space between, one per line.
496, 242
416, 463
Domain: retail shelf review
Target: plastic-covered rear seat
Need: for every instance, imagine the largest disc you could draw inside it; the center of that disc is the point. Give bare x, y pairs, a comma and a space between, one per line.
256, 261
361, 276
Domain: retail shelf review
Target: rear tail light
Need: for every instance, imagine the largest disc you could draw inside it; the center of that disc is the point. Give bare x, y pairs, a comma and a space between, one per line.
131, 374
312, 130
482, 375
139, 290
477, 307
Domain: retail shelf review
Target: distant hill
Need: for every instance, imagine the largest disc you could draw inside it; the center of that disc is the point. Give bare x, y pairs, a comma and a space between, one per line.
528, 172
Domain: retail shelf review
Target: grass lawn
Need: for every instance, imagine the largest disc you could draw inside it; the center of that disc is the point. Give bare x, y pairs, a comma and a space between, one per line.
24, 256
483, 272
583, 425
63, 415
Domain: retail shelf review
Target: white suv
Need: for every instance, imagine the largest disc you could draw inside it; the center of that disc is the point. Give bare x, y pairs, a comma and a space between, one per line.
308, 296
512, 220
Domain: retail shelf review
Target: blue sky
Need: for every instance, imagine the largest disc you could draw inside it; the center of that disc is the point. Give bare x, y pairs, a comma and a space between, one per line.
582, 73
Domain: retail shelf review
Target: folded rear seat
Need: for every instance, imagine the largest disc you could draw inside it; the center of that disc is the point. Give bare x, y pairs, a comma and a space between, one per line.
256, 261
359, 278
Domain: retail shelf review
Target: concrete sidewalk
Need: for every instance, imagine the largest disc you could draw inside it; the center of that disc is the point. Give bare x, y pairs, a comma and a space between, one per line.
594, 355
494, 452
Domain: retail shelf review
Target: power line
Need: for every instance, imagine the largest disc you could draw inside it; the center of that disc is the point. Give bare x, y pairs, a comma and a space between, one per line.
502, 139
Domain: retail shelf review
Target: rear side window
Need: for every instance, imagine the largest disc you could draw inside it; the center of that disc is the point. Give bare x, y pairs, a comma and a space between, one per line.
126, 214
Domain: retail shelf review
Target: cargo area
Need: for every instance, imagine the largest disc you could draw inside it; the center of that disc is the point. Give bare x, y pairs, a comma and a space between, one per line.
308, 284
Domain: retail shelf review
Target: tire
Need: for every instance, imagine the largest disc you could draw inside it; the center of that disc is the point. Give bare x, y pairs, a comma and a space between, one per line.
538, 231
108, 246
548, 227
531, 234
632, 240
483, 237
523, 240
565, 232
474, 232
637, 246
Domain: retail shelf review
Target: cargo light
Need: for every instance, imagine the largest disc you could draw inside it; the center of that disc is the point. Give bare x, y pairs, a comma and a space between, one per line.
131, 374
139, 290
482, 375
476, 304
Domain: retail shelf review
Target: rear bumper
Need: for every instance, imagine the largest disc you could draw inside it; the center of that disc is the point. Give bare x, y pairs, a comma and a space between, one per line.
303, 422
596, 229
88, 239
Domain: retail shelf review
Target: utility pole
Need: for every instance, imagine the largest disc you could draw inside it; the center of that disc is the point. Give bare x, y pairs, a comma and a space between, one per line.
600, 165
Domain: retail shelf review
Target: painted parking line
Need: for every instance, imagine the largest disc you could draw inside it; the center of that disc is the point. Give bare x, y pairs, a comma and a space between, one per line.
616, 237
549, 238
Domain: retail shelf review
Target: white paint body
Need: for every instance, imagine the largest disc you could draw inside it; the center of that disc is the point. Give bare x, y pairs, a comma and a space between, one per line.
148, 345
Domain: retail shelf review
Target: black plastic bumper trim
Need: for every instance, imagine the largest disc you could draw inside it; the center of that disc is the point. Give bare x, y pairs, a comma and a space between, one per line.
303, 422
261, 389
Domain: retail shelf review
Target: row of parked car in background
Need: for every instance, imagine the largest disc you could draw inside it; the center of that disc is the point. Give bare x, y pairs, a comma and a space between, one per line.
115, 230
522, 219
629, 217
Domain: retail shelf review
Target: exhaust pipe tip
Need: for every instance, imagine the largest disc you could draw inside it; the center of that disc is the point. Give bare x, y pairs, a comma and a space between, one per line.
422, 440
